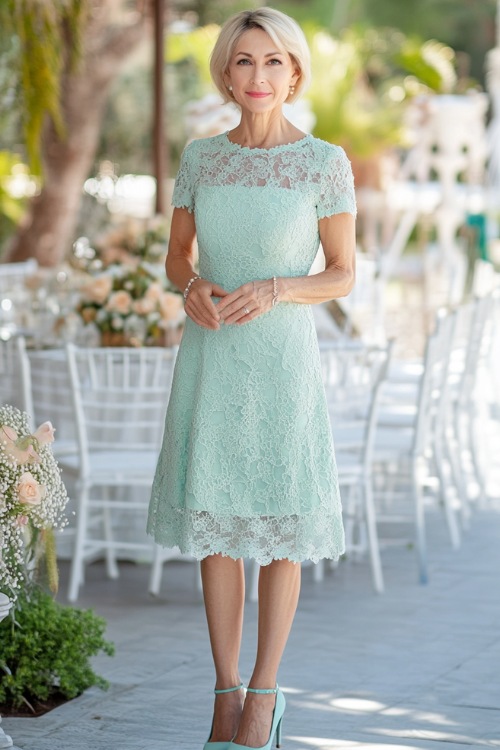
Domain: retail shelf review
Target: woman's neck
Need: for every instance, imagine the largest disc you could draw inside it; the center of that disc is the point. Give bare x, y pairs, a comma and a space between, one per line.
264, 130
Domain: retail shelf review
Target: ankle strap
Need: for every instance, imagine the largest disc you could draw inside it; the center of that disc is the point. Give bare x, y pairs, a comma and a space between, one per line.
228, 690
270, 691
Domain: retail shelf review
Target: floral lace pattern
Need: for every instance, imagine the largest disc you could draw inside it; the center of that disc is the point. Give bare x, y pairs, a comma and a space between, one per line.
247, 467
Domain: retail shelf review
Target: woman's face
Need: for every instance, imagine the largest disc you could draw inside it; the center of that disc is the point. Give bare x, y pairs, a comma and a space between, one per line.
260, 73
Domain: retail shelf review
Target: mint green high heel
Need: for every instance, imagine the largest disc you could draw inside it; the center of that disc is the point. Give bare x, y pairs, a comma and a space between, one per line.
277, 723
220, 745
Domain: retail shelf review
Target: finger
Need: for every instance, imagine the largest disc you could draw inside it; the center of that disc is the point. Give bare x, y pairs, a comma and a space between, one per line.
199, 312
218, 291
246, 318
226, 309
240, 314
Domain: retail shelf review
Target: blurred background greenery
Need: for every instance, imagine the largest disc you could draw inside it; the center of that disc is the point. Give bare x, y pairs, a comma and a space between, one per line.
369, 60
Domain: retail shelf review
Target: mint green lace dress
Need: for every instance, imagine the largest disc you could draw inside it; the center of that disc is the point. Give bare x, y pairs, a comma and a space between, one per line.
247, 467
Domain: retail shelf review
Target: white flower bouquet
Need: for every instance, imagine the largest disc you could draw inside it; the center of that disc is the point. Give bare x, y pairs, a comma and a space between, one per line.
32, 501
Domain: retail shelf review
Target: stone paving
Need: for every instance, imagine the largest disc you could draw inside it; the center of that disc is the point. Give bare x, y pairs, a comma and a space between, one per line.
417, 667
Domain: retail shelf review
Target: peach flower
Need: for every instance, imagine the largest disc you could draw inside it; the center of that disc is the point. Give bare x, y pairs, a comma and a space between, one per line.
170, 305
29, 491
98, 289
23, 452
154, 291
120, 302
45, 433
144, 306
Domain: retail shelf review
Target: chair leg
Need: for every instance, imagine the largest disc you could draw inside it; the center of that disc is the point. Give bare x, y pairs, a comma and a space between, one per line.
253, 591
156, 571
76, 575
421, 546
319, 571
451, 518
199, 582
111, 566
371, 530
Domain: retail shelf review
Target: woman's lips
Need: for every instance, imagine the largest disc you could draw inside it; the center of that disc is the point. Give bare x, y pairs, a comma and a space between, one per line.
257, 94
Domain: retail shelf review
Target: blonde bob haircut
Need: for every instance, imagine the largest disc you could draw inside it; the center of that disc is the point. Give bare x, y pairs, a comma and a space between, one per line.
283, 30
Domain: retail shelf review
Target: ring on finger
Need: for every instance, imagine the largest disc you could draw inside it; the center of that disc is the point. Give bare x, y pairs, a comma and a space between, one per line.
246, 311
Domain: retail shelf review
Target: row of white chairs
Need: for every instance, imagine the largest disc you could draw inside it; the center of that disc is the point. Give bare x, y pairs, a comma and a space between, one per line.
402, 440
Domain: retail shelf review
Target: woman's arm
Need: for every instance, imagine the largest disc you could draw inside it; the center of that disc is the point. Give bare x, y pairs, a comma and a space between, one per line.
180, 269
338, 239
337, 234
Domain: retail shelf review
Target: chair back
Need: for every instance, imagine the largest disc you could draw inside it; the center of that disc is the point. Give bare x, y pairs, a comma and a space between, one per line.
12, 377
13, 275
120, 397
353, 378
47, 395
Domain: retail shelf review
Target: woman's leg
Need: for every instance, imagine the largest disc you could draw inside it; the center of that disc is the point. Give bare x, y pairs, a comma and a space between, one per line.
224, 593
279, 587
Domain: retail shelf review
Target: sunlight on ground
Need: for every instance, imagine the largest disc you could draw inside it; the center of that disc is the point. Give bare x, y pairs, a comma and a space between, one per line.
325, 744
357, 704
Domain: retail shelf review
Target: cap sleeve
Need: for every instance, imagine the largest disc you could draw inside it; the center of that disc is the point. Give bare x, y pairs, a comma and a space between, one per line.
183, 195
336, 194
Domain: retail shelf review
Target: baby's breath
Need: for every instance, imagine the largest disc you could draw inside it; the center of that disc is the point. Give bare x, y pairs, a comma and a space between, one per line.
19, 521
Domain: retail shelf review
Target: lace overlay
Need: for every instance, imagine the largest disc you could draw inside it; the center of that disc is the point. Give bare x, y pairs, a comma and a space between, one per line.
247, 466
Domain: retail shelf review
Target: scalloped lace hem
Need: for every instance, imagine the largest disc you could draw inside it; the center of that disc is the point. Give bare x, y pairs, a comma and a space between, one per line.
316, 536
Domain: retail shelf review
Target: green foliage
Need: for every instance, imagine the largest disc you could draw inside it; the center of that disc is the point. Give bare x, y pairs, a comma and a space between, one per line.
195, 45
11, 208
44, 32
46, 651
431, 63
363, 80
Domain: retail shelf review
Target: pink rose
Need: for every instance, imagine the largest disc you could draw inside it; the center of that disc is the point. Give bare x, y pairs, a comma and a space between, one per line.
9, 433
120, 302
28, 490
21, 450
98, 289
170, 305
22, 520
45, 433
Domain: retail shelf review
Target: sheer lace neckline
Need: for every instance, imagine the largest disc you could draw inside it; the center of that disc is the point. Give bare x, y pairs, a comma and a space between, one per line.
294, 144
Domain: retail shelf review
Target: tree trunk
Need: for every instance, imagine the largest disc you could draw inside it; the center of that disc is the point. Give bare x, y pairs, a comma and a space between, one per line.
47, 231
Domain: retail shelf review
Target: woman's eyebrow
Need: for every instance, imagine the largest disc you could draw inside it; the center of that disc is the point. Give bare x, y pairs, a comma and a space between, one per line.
249, 54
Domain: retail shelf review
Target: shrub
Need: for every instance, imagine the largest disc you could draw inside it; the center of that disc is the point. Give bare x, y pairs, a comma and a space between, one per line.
46, 649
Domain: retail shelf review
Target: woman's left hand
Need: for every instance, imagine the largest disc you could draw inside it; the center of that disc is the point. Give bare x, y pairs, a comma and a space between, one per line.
246, 302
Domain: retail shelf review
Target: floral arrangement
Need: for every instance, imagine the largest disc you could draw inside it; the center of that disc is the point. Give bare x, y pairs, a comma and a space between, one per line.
144, 240
130, 242
32, 501
131, 302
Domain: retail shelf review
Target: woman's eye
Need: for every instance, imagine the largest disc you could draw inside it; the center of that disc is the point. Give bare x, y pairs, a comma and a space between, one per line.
275, 60
243, 60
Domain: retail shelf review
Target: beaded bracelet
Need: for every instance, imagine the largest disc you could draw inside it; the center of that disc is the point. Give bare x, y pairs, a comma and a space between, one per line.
275, 292
191, 281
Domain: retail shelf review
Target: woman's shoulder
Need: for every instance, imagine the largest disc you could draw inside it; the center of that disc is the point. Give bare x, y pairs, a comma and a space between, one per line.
200, 146
327, 151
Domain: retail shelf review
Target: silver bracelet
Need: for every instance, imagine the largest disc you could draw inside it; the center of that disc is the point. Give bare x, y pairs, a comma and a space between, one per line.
275, 292
186, 290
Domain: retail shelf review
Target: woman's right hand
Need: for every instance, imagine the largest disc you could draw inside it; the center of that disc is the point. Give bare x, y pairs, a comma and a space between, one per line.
199, 305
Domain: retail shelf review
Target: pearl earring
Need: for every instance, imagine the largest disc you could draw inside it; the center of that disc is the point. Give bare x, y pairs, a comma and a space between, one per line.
292, 90
230, 88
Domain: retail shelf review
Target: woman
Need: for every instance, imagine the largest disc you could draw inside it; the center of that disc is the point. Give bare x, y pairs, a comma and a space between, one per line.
247, 467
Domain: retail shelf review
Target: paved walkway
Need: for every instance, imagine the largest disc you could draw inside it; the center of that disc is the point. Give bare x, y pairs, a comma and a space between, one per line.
418, 667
